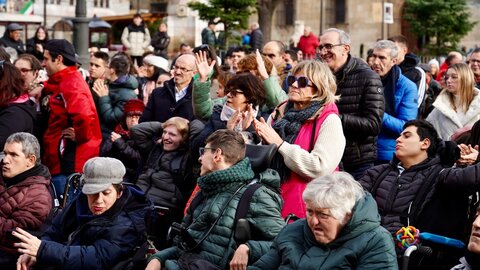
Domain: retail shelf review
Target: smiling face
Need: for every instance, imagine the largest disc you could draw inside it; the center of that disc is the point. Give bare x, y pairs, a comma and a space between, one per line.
323, 225
41, 35
236, 100
171, 138
337, 56
474, 64
99, 203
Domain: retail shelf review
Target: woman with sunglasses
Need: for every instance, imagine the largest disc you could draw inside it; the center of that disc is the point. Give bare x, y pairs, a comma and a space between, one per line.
457, 107
32, 73
17, 111
307, 131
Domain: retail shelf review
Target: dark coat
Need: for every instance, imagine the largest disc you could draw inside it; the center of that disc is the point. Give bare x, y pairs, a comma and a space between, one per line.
361, 244
256, 39
32, 47
361, 108
160, 42
124, 149
79, 240
433, 198
6, 41
162, 104
16, 117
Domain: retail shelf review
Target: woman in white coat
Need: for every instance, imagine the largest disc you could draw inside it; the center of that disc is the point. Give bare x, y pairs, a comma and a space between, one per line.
457, 107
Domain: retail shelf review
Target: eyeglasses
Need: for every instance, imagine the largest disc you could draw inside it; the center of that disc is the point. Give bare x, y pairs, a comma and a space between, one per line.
302, 81
182, 69
25, 70
473, 61
328, 46
234, 92
269, 55
201, 150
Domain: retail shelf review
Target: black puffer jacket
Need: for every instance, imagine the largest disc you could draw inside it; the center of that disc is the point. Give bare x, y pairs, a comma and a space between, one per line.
361, 108
433, 198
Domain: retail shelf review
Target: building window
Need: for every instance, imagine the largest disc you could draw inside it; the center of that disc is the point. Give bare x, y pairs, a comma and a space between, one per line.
340, 11
107, 3
289, 12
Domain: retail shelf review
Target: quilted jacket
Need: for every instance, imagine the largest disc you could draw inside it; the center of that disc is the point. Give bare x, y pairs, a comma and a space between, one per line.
25, 204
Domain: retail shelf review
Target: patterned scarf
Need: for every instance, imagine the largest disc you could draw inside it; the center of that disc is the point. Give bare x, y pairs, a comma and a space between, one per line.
289, 126
219, 181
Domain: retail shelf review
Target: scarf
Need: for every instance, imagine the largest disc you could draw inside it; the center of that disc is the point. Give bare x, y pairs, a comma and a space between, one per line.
389, 86
222, 180
289, 126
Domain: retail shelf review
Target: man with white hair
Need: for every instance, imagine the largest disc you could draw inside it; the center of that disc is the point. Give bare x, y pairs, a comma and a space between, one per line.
256, 37
341, 230
400, 98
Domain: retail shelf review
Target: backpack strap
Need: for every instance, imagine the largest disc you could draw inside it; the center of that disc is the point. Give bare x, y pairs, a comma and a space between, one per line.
312, 136
244, 202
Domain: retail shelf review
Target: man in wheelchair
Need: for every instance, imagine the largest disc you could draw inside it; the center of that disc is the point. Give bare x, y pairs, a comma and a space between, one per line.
100, 229
420, 189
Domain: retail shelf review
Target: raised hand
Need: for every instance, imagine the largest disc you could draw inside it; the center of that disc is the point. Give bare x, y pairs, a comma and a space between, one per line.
203, 67
261, 65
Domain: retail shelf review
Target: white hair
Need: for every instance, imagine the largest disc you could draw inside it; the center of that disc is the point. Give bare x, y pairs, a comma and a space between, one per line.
338, 192
343, 37
387, 44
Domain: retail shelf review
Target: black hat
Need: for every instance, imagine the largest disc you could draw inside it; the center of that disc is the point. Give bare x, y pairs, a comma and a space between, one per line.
14, 27
62, 47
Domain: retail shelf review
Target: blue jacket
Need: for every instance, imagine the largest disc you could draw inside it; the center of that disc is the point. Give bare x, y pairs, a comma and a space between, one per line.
406, 108
79, 240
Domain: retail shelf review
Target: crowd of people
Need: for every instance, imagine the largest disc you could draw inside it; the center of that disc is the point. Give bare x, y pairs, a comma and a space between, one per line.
361, 149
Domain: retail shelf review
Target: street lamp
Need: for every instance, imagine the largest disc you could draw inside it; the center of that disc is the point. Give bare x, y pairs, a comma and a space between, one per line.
80, 31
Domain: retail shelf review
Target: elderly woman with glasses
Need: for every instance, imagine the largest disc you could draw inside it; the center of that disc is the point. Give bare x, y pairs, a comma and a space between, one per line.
307, 131
457, 107
341, 231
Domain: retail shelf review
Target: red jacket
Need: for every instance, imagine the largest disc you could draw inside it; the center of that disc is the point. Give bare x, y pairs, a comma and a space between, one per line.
71, 105
25, 205
308, 45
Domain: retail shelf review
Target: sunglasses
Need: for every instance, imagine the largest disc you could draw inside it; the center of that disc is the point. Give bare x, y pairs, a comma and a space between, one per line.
302, 81
25, 70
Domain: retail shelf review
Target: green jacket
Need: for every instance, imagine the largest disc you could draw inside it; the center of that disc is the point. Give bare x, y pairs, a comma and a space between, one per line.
110, 107
263, 215
203, 103
362, 244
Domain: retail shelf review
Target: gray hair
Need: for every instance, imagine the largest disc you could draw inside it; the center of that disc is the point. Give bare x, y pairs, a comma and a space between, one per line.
30, 145
387, 44
344, 38
338, 192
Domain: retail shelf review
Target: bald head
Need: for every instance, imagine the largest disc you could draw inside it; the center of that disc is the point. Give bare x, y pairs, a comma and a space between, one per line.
454, 58
184, 70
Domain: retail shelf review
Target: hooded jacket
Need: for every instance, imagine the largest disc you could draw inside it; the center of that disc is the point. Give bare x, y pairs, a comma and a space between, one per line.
16, 117
361, 244
79, 240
